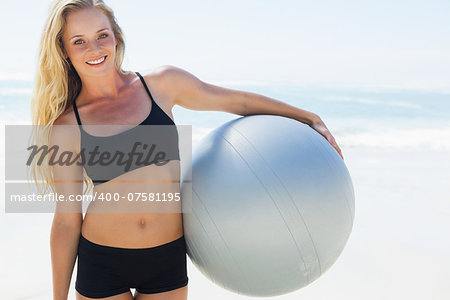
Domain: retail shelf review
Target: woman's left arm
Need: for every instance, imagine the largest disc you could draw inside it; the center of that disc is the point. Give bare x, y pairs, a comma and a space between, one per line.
190, 92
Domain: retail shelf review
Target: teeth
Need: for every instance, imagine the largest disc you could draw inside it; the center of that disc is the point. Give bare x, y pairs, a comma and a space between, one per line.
95, 62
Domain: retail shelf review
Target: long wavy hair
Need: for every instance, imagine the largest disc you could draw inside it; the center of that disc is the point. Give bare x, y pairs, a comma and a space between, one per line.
57, 83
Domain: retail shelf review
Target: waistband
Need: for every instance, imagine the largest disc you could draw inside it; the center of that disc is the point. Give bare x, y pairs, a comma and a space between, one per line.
87, 243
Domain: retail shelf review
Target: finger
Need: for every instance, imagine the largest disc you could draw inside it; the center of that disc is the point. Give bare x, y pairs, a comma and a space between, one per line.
332, 141
338, 150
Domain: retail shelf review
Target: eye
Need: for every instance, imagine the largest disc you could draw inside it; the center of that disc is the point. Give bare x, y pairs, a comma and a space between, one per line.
104, 34
76, 42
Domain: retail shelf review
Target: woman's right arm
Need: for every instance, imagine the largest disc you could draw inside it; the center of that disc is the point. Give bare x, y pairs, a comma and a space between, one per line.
68, 217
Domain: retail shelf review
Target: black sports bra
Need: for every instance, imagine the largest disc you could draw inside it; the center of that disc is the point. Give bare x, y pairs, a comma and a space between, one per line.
107, 157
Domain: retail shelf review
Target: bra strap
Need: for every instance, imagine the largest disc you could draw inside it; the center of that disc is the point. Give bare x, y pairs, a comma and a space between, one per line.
145, 85
75, 109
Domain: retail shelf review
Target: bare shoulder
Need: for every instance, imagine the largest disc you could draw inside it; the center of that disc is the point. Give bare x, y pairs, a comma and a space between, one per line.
169, 72
64, 135
172, 81
66, 118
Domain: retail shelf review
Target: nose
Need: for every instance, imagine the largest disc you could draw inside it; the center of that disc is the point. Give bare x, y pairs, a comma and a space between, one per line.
94, 46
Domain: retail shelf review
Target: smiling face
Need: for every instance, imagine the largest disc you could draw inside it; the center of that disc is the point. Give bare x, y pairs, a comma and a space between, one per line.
89, 42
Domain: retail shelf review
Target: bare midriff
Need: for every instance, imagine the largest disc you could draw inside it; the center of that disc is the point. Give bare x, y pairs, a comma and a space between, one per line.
142, 210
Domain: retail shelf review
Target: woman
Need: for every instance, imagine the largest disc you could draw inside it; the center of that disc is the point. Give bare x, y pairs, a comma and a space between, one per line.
80, 82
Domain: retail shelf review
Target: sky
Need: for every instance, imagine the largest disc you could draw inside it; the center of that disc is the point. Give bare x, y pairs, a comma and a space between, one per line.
401, 44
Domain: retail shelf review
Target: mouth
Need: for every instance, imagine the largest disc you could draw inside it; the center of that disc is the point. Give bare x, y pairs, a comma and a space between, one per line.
98, 61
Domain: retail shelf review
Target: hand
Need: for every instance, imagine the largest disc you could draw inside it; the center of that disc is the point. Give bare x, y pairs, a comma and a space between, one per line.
319, 126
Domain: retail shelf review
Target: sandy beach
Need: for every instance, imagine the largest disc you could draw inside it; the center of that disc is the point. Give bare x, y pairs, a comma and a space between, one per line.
399, 247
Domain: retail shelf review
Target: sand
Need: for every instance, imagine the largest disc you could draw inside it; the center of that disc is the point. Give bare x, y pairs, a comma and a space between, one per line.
399, 247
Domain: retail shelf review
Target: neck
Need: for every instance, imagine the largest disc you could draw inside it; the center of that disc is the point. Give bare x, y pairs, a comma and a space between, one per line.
107, 86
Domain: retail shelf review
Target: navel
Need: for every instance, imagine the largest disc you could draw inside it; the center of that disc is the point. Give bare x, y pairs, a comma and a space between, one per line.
142, 222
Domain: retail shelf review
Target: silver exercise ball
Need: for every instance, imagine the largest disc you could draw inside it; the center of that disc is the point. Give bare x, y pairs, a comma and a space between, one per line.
272, 205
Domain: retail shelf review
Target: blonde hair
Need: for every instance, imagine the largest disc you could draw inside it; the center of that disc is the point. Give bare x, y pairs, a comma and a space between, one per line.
57, 83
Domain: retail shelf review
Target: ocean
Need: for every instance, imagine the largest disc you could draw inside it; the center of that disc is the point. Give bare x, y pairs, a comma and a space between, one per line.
356, 117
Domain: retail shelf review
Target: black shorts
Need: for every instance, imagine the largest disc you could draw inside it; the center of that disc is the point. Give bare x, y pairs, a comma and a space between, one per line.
104, 271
